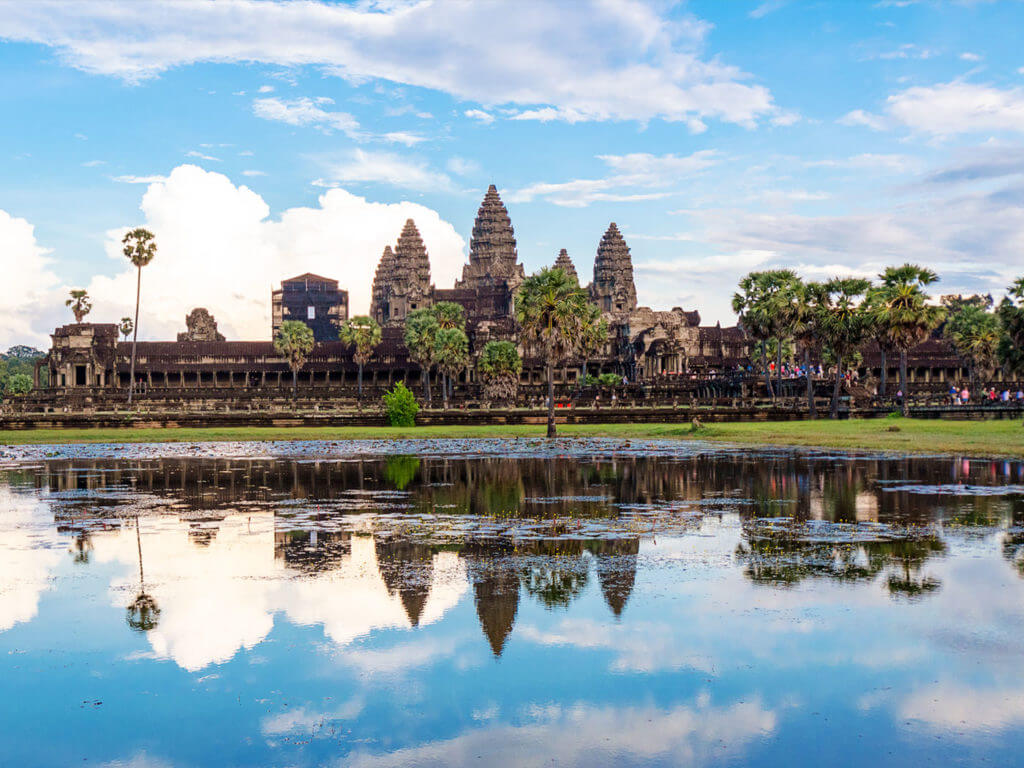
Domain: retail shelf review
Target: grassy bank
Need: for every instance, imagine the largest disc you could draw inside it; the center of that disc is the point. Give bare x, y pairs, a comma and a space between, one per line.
980, 438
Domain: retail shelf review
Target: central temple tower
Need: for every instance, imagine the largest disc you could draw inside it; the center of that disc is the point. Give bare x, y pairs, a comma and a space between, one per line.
492, 248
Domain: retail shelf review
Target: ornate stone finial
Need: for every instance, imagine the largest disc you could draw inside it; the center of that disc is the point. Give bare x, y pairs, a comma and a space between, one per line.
564, 263
613, 289
492, 247
201, 327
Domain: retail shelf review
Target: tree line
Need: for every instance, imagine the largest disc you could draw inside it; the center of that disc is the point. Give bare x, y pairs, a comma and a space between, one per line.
786, 316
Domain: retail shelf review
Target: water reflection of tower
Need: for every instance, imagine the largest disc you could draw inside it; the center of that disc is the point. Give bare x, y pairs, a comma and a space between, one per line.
407, 569
615, 563
495, 580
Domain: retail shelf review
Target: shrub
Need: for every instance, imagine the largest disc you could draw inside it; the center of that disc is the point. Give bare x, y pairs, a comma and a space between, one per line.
19, 384
401, 406
610, 379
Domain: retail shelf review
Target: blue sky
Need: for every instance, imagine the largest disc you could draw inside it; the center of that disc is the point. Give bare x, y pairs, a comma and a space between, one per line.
261, 138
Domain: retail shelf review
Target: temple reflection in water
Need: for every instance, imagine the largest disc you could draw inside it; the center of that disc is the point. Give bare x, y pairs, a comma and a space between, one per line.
210, 550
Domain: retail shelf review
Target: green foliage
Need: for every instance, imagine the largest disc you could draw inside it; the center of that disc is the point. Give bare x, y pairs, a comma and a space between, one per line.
363, 333
126, 326
449, 315
421, 328
294, 342
609, 380
1011, 318
16, 368
499, 358
975, 332
401, 470
139, 246
18, 384
80, 303
401, 406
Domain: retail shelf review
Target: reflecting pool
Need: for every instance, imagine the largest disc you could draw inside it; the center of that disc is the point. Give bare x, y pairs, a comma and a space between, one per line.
508, 603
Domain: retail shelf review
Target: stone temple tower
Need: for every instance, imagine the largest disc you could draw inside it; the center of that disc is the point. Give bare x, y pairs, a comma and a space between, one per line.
564, 263
402, 281
492, 248
613, 289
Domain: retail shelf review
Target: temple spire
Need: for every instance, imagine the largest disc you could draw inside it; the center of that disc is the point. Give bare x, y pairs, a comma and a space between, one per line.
492, 247
613, 289
564, 263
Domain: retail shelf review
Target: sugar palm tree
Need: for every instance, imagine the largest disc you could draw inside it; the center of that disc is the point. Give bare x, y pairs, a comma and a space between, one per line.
80, 303
363, 333
808, 300
592, 336
125, 327
421, 329
975, 333
449, 316
294, 341
550, 309
139, 247
904, 317
1011, 320
451, 351
143, 613
845, 322
499, 366
751, 305
782, 298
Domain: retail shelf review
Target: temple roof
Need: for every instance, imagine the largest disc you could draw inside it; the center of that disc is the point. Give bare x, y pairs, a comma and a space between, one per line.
492, 247
563, 262
613, 272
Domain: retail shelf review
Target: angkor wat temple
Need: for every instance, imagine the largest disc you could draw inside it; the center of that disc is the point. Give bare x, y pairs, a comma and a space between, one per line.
644, 346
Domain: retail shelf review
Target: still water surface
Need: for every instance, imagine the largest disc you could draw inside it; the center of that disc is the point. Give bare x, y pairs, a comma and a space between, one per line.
501, 603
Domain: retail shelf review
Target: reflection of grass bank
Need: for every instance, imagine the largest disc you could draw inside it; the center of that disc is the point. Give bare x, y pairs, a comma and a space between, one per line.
982, 438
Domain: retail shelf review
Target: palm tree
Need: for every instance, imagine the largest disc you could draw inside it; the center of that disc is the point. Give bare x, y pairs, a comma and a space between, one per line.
808, 300
550, 309
975, 334
140, 248
499, 366
363, 333
845, 324
905, 318
449, 315
782, 298
451, 350
1011, 318
421, 329
751, 304
125, 327
80, 304
294, 341
592, 338
143, 613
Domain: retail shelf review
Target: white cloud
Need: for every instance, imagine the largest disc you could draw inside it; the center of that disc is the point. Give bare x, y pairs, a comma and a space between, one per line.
860, 117
968, 56
254, 173
630, 173
362, 166
200, 156
304, 111
30, 306
622, 60
957, 107
460, 166
133, 179
478, 114
266, 89
219, 249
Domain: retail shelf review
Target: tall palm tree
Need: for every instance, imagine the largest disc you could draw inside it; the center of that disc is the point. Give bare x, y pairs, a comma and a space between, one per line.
550, 308
808, 300
449, 316
125, 327
363, 333
905, 318
782, 298
80, 303
752, 305
451, 350
139, 246
1011, 319
845, 322
593, 336
294, 341
421, 329
499, 366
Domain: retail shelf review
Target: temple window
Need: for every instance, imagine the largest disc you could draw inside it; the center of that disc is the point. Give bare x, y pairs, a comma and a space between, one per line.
311, 313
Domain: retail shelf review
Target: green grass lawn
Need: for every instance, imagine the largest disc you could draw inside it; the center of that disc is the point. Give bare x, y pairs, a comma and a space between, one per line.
980, 438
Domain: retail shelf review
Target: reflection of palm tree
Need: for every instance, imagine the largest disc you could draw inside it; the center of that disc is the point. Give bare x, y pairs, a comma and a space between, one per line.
1013, 550
558, 576
143, 612
82, 548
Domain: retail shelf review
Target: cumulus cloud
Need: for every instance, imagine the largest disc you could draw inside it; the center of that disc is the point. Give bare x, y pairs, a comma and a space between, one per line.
31, 295
586, 60
629, 174
219, 248
958, 107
